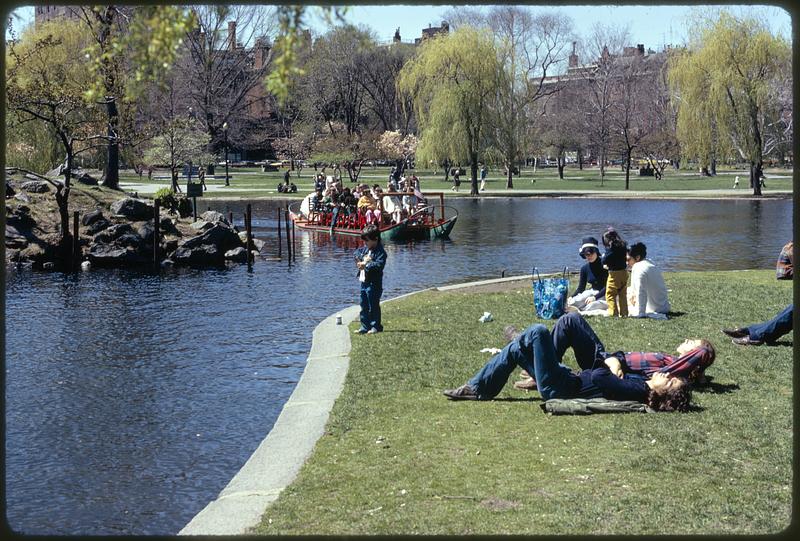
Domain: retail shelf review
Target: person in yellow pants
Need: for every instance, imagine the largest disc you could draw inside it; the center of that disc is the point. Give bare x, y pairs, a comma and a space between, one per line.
615, 261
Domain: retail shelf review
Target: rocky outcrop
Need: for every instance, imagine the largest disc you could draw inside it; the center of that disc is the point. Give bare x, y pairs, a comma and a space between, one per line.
109, 255
98, 226
198, 256
113, 233
91, 217
237, 255
213, 216
221, 236
36, 186
133, 209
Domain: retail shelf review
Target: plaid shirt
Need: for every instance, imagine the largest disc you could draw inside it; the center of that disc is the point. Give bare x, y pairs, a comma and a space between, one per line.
784, 270
645, 364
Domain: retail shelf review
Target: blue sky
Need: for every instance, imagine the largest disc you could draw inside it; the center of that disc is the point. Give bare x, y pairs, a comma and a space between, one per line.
651, 25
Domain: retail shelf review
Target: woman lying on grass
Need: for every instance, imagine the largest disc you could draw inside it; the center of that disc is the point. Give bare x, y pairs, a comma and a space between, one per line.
533, 350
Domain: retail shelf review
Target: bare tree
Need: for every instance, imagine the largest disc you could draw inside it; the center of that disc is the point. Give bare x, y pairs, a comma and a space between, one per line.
379, 67
605, 44
226, 59
531, 48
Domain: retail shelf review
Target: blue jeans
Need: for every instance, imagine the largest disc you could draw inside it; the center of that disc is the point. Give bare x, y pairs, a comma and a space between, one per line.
371, 306
573, 330
532, 350
771, 330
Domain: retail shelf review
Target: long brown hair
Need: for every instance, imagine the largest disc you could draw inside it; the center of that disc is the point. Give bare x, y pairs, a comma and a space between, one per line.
673, 399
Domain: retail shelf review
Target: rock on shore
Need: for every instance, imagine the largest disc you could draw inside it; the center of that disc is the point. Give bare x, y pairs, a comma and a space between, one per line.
114, 231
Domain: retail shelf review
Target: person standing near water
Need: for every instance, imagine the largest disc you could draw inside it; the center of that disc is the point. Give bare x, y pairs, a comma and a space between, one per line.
370, 260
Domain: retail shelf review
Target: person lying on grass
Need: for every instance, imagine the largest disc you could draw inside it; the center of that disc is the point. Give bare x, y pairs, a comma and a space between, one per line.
533, 350
572, 330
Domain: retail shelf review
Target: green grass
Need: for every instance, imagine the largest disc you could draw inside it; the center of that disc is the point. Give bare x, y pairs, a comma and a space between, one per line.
398, 458
261, 184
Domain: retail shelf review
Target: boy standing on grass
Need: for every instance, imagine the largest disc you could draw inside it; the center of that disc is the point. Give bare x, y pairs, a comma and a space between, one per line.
370, 260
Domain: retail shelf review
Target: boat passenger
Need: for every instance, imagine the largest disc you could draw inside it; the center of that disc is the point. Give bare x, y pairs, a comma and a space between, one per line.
393, 205
368, 207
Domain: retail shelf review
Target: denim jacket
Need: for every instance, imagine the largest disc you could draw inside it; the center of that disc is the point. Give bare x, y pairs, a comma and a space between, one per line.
374, 269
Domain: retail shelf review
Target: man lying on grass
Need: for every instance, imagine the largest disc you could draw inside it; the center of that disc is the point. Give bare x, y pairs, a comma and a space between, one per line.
535, 352
572, 330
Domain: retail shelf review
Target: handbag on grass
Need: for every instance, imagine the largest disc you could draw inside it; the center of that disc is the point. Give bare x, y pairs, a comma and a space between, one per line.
550, 295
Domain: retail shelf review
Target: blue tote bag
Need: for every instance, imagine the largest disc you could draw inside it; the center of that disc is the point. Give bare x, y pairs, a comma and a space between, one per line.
550, 295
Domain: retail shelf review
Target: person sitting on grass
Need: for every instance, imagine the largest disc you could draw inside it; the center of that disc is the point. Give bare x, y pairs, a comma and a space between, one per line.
647, 295
571, 330
533, 350
593, 274
769, 331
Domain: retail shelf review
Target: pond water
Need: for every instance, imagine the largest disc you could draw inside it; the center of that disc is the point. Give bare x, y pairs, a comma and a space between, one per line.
133, 398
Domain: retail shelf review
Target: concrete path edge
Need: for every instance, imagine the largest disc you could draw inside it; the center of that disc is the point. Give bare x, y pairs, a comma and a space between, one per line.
278, 459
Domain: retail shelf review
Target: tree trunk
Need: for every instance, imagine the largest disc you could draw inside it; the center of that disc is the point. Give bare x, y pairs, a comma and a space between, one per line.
111, 174
602, 161
580, 160
473, 190
628, 169
446, 170
509, 176
713, 167
560, 162
756, 169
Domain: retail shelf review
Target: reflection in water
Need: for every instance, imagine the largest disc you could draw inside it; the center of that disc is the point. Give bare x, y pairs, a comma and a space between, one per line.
133, 398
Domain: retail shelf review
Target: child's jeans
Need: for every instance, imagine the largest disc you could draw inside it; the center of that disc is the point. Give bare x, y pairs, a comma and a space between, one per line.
371, 306
616, 292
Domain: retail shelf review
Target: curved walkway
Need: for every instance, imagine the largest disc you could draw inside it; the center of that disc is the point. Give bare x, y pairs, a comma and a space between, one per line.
278, 459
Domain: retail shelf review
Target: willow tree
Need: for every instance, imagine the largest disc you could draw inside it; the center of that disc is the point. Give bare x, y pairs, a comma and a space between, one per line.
724, 81
452, 84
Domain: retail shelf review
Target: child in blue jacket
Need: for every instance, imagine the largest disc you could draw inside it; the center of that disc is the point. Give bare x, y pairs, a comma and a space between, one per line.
370, 260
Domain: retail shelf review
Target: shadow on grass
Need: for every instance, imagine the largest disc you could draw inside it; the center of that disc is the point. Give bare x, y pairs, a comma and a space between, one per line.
675, 314
717, 388
516, 399
782, 343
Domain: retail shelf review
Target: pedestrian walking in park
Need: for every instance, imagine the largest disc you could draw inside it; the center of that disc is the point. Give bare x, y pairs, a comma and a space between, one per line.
615, 260
456, 179
201, 176
370, 261
736, 182
483, 177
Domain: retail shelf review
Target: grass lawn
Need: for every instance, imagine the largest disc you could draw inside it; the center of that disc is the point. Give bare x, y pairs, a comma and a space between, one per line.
399, 458
251, 182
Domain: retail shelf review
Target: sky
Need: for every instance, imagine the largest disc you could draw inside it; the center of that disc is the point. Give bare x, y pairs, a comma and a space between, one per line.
652, 25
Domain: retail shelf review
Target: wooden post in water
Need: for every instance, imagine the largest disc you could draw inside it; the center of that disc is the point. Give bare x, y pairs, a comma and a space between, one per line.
249, 227
288, 232
230, 217
280, 239
156, 232
294, 248
76, 240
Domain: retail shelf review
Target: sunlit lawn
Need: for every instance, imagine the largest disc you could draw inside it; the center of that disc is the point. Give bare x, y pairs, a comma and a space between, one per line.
251, 182
398, 458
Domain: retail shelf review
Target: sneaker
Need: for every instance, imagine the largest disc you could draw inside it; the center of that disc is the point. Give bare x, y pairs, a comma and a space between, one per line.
465, 392
362, 330
528, 384
510, 333
746, 341
738, 332
373, 330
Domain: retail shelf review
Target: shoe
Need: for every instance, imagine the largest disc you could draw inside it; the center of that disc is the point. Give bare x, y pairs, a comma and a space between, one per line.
746, 341
465, 392
362, 330
528, 384
373, 330
510, 333
524, 374
738, 332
